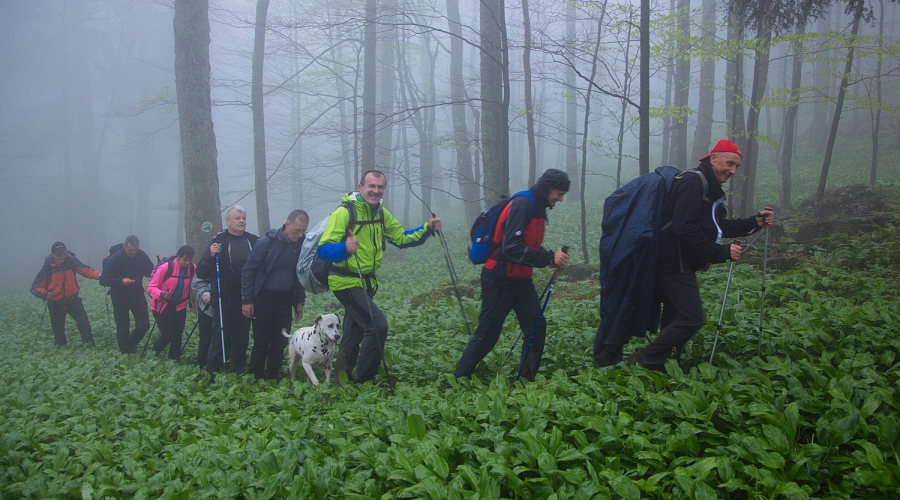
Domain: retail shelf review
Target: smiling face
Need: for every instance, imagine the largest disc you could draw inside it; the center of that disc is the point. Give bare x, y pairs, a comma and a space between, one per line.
724, 165
372, 188
185, 260
59, 257
555, 196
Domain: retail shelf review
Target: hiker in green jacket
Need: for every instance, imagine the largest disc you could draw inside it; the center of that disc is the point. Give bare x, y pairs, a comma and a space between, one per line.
356, 253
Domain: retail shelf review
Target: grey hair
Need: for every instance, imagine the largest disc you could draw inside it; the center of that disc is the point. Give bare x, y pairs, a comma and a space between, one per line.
132, 240
234, 208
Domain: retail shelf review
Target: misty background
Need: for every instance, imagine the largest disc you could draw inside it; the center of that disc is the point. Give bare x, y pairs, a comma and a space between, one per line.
90, 144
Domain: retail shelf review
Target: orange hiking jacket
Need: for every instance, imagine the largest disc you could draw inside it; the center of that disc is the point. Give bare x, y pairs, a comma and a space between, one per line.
57, 282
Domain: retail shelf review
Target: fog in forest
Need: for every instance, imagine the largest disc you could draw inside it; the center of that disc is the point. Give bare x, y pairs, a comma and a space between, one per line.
91, 139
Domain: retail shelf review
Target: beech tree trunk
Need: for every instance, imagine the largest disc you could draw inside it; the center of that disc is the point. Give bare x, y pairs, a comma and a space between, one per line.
494, 119
260, 170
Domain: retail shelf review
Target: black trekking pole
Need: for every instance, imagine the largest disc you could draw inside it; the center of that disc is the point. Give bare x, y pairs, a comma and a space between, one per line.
188, 339
108, 321
722, 312
549, 290
150, 333
519, 336
41, 326
372, 319
453, 278
762, 300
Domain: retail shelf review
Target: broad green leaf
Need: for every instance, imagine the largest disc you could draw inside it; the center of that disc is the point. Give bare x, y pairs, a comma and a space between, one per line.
625, 487
416, 425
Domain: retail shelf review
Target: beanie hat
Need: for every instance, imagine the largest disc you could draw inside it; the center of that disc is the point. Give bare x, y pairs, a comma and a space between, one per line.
554, 178
725, 146
57, 247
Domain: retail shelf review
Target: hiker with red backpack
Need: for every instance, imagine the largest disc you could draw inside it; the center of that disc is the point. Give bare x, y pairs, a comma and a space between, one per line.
692, 225
56, 283
506, 282
124, 273
169, 289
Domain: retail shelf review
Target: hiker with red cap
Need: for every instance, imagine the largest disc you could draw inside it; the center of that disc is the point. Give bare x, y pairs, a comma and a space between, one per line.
694, 223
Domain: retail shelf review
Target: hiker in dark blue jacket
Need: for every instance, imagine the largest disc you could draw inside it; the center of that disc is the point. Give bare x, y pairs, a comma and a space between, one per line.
270, 291
691, 243
124, 273
506, 282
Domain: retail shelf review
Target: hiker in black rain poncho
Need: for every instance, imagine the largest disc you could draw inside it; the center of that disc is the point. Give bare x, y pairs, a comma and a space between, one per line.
693, 225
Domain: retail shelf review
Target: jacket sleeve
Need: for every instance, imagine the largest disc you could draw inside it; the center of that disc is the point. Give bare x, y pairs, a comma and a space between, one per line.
734, 228
86, 270
200, 288
513, 247
40, 283
332, 247
154, 286
404, 238
146, 265
686, 223
252, 268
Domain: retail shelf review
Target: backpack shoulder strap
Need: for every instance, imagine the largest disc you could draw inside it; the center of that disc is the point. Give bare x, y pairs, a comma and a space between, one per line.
702, 180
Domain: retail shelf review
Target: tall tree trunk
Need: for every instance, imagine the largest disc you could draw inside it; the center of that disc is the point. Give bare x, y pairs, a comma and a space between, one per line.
682, 82
625, 91
644, 112
842, 92
344, 132
876, 122
790, 119
369, 97
571, 101
65, 121
818, 127
387, 38
468, 186
734, 94
707, 83
427, 62
584, 132
751, 152
260, 170
666, 156
494, 120
202, 216
529, 104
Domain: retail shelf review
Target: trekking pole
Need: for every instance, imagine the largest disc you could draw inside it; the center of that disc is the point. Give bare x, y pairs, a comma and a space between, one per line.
519, 336
762, 300
453, 278
108, 321
150, 333
221, 321
41, 326
188, 339
372, 318
565, 249
722, 312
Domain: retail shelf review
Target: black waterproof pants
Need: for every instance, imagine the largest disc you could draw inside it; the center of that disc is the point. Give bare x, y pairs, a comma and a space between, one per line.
365, 333
496, 303
74, 308
273, 312
682, 317
171, 327
237, 337
205, 333
134, 303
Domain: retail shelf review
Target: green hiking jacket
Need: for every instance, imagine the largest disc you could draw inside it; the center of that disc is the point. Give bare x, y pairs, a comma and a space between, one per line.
371, 236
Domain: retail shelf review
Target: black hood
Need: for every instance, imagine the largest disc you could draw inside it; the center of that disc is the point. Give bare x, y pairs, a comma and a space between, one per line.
552, 178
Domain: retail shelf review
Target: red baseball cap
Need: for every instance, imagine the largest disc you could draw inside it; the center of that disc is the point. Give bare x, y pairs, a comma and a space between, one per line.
725, 146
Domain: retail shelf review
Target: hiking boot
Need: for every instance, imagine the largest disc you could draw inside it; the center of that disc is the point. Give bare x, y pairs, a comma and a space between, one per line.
637, 358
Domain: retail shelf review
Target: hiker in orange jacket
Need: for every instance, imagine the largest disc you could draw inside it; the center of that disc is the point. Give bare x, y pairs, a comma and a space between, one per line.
56, 283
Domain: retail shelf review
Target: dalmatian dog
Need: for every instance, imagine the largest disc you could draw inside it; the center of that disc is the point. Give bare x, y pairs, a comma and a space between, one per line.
314, 345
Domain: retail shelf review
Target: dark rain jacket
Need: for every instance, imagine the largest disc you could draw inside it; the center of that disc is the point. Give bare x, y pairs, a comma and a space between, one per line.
120, 266
261, 265
698, 224
229, 277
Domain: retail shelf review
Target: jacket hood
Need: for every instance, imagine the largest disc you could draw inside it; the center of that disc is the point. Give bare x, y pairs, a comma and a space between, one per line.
552, 178
715, 191
275, 234
356, 197
71, 260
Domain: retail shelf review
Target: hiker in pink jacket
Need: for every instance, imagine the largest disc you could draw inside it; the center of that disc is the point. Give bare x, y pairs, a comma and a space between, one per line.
170, 288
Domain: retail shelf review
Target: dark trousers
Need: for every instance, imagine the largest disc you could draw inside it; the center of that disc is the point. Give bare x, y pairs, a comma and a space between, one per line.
362, 344
496, 303
171, 327
274, 312
74, 308
682, 317
205, 332
134, 303
237, 337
